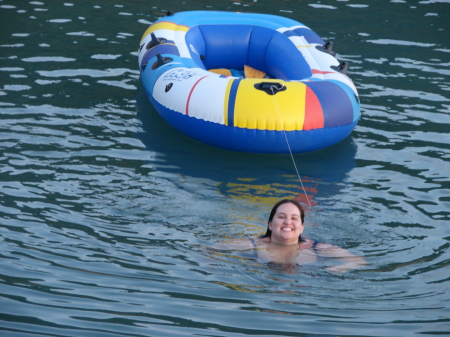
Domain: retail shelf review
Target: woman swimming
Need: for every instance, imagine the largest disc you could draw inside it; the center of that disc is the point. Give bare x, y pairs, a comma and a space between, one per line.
283, 243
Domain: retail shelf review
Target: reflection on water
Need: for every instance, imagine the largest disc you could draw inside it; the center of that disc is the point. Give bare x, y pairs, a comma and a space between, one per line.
106, 212
257, 179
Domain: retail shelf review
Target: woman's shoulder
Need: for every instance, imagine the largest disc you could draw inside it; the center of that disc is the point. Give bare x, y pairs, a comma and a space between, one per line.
260, 241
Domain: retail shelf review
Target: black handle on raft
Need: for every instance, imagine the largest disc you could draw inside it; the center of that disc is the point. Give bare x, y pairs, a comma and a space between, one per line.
327, 48
270, 88
342, 68
161, 61
155, 41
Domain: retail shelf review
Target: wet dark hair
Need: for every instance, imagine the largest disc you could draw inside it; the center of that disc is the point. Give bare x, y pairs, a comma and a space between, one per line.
274, 210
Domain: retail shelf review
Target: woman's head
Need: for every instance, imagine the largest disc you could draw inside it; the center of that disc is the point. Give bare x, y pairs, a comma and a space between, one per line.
275, 210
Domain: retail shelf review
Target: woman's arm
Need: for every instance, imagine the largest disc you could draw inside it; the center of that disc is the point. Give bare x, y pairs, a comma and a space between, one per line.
350, 261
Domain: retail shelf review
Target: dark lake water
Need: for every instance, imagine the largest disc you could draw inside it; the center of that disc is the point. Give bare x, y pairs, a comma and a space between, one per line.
107, 212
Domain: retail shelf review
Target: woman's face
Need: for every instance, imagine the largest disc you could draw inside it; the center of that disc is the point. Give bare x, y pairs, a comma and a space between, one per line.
286, 225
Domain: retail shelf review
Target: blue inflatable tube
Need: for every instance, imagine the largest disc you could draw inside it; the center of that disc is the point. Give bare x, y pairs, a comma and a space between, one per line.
247, 82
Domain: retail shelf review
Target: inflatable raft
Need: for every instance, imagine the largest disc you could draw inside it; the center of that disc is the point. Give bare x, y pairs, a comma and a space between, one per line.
247, 82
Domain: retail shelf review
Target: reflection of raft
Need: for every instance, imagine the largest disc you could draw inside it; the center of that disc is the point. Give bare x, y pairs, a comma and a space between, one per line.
300, 90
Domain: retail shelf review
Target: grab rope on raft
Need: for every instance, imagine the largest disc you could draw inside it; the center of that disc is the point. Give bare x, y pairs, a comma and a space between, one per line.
272, 89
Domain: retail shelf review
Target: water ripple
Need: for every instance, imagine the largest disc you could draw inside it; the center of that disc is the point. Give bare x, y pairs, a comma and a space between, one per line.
108, 214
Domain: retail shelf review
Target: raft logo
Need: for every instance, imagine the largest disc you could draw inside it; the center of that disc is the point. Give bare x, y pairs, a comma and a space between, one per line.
179, 74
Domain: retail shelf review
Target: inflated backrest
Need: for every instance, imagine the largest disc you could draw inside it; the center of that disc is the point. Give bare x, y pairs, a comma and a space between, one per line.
257, 48
233, 46
196, 44
226, 45
284, 61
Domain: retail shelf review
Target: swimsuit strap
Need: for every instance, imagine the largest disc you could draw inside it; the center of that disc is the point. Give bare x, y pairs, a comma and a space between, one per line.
314, 246
255, 249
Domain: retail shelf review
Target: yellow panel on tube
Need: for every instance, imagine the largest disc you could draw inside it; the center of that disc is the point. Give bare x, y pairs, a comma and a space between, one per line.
255, 109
